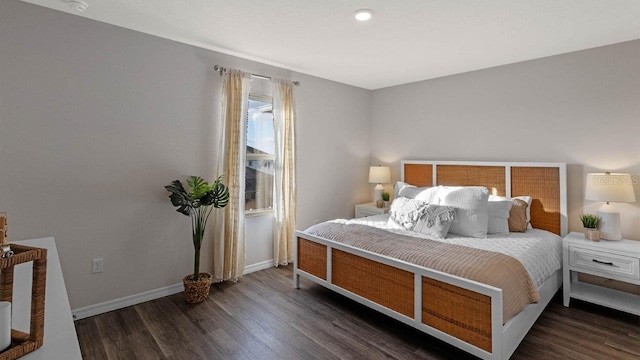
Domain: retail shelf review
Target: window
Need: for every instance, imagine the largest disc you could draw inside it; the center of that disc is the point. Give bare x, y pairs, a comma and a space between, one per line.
260, 159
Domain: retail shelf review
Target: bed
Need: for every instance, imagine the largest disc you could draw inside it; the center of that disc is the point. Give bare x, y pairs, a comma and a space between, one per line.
465, 313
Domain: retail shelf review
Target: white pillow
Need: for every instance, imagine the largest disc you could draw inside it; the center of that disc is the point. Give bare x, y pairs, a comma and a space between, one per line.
399, 186
524, 198
498, 209
429, 195
472, 217
426, 194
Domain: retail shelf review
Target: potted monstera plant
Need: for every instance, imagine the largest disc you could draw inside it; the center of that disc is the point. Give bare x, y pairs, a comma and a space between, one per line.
198, 204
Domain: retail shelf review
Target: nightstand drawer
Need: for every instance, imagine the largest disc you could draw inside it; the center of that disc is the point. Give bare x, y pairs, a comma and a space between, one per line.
370, 209
366, 212
605, 263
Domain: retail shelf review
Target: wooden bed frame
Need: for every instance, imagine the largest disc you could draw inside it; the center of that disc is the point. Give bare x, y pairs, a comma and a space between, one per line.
464, 313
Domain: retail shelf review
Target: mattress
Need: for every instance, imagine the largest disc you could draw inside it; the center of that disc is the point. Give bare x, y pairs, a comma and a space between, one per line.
539, 251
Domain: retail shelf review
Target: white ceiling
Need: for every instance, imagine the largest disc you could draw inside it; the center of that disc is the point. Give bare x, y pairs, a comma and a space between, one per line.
405, 41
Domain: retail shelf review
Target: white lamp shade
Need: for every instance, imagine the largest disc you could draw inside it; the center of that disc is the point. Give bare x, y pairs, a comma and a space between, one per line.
612, 187
379, 174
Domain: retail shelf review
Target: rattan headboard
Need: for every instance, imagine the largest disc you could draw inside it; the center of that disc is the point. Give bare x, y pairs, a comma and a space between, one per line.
544, 182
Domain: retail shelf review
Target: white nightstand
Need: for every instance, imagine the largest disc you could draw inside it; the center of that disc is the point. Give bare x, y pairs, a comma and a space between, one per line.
370, 209
617, 260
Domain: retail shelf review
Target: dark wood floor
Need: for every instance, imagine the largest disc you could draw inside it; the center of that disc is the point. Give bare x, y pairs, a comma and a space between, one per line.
263, 317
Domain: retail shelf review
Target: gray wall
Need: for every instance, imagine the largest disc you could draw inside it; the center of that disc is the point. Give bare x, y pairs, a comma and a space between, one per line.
96, 119
582, 108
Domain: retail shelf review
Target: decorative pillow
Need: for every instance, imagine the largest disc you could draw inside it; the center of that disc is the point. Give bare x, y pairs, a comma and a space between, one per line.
406, 212
472, 217
525, 198
498, 209
518, 216
528, 200
436, 220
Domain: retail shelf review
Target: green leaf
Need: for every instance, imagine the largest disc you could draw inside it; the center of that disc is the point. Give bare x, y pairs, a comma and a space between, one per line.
199, 187
220, 193
194, 181
179, 197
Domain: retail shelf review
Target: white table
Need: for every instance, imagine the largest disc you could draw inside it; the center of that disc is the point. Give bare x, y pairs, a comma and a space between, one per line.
616, 260
60, 339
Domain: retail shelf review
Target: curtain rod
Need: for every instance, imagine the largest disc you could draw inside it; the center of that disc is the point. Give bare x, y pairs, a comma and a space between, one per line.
221, 70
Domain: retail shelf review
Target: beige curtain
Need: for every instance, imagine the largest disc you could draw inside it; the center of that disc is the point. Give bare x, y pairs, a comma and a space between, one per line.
229, 232
284, 119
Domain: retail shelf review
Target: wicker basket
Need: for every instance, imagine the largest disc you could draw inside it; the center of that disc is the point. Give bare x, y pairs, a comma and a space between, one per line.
196, 291
592, 234
23, 343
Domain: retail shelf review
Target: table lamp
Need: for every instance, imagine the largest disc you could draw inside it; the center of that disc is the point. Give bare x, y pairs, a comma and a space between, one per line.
379, 175
609, 187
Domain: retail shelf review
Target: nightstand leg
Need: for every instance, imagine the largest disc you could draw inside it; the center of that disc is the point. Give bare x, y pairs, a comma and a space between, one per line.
566, 287
296, 280
566, 275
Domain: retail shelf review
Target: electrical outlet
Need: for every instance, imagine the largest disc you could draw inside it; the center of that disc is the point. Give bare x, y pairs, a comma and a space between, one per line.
97, 265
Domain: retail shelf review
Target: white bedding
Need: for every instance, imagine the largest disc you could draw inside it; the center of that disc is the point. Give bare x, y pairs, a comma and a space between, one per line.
539, 251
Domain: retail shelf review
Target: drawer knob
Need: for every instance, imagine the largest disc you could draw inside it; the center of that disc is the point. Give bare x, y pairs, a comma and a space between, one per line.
602, 262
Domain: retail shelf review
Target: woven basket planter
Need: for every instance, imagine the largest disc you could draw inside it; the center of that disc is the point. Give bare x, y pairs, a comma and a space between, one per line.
592, 234
196, 291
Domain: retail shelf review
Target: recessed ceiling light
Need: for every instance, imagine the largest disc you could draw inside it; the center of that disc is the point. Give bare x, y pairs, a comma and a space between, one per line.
363, 14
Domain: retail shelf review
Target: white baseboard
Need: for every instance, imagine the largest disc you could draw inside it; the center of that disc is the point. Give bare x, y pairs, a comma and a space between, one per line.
120, 303
258, 266
115, 304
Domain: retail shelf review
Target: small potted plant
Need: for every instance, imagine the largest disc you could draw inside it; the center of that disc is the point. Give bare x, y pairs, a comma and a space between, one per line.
590, 223
197, 205
385, 198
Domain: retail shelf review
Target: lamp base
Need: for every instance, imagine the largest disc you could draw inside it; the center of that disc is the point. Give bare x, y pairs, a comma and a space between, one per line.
610, 228
377, 192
